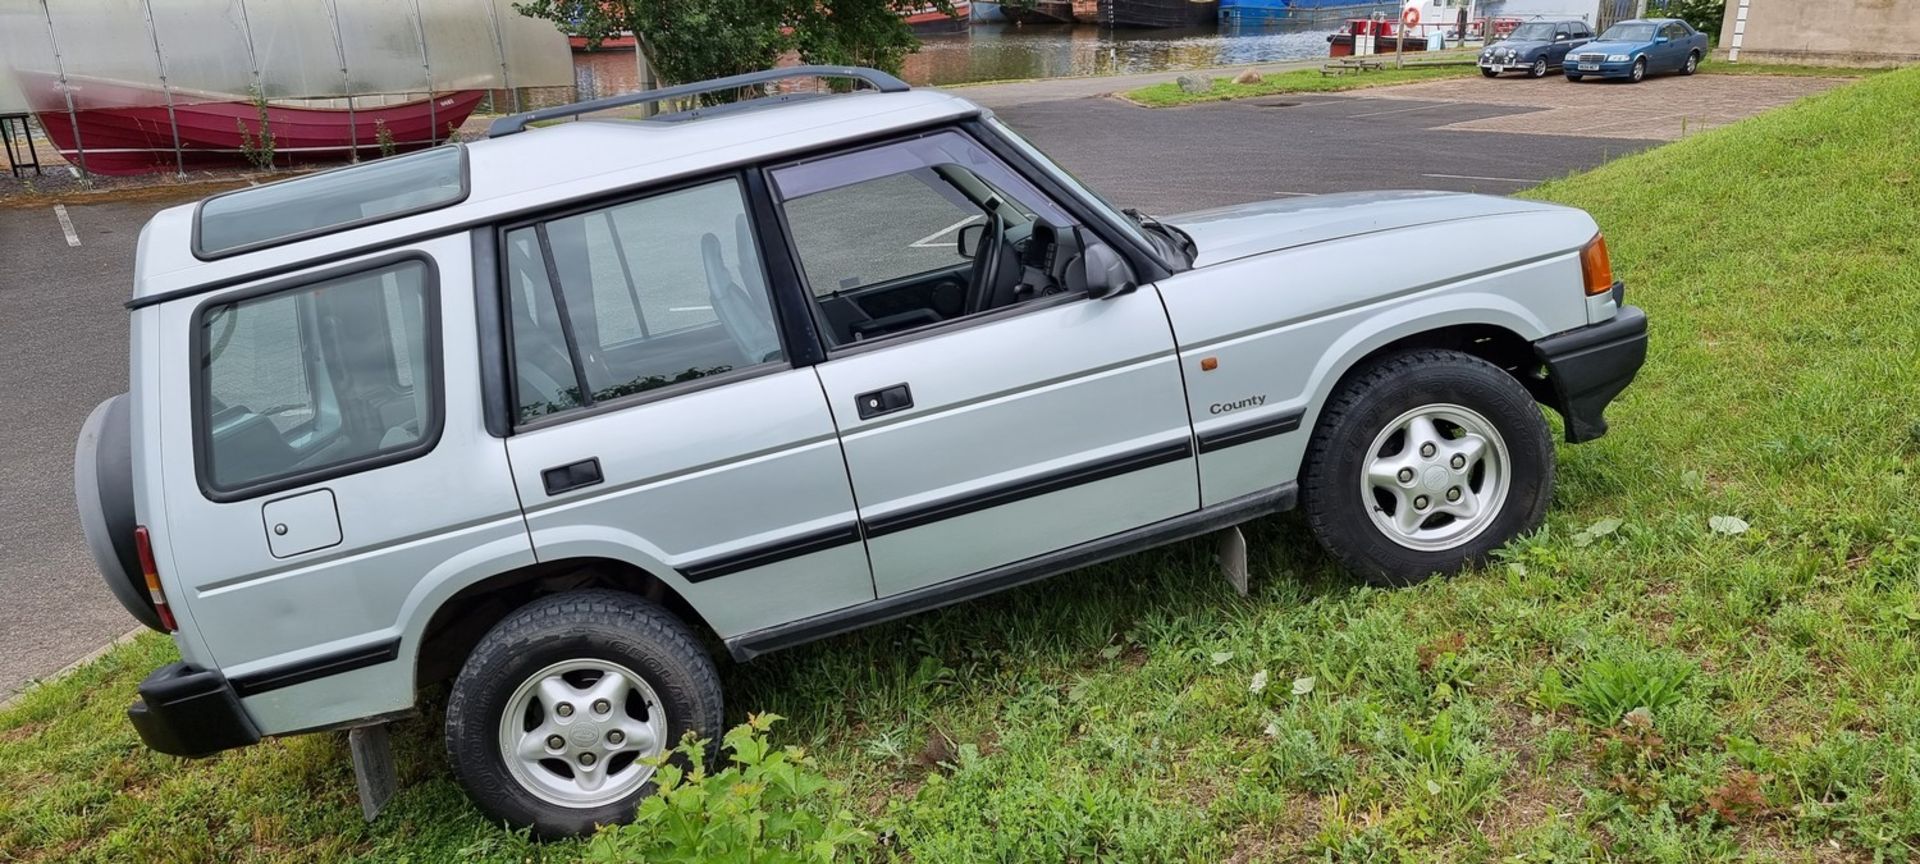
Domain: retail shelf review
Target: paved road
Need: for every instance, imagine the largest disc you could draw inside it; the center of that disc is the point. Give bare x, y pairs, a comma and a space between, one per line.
63, 332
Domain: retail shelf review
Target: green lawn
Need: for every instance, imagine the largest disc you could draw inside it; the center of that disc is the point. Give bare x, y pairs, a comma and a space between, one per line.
1169, 94
1112, 715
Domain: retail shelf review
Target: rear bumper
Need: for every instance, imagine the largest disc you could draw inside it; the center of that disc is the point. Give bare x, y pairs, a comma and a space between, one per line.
1588, 367
184, 710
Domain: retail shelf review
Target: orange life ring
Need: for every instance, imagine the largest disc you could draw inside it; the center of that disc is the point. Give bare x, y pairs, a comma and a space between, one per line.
1411, 17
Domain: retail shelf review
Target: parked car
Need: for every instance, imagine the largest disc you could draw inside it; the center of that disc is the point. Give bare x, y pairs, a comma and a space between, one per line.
543, 413
1536, 48
1636, 49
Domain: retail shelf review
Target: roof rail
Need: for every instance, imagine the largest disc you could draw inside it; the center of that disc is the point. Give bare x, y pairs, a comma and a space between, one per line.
874, 78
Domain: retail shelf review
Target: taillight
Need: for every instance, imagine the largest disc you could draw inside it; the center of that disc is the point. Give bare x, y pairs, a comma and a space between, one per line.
144, 546
1597, 266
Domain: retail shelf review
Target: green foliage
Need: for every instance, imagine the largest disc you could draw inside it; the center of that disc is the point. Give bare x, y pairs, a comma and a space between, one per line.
1608, 689
695, 40
1706, 16
383, 137
770, 806
257, 144
1169, 94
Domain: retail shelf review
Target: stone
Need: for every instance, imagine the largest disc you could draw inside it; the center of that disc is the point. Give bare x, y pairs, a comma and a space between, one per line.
1195, 84
1247, 77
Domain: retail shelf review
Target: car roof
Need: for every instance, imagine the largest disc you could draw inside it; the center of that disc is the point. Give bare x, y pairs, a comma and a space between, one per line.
550, 165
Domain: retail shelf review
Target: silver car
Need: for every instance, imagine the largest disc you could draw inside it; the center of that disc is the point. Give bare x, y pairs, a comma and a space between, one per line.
548, 413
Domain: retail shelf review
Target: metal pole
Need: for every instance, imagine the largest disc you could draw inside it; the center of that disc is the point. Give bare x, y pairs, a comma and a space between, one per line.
500, 46
1739, 32
60, 68
647, 81
346, 82
160, 63
426, 67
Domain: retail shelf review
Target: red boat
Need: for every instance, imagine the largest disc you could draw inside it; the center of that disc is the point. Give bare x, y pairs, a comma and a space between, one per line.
126, 128
1385, 39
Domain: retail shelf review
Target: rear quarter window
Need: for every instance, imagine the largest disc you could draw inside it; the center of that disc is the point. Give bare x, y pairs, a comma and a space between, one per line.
302, 381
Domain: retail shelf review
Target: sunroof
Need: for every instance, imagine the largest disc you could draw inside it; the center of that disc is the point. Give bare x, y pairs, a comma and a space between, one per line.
263, 216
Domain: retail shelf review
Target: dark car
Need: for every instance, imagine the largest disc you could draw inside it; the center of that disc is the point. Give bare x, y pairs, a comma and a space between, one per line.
1536, 48
1635, 49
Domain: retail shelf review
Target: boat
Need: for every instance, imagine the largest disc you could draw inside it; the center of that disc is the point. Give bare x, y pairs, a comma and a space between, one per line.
1038, 11
926, 19
127, 129
1373, 36
1272, 11
1159, 13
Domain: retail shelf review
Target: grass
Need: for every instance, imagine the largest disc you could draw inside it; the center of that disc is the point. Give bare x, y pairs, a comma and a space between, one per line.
1169, 94
1631, 684
1721, 67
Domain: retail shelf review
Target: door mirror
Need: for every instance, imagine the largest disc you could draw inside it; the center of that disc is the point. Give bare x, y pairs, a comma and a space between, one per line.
1107, 274
968, 241
1662, 40
1559, 37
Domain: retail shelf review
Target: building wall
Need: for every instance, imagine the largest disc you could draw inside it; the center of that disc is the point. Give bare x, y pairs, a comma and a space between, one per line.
1839, 32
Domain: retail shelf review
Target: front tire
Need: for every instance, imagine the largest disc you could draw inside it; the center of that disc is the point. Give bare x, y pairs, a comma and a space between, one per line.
1639, 70
1539, 68
1489, 73
559, 706
1424, 463
1574, 77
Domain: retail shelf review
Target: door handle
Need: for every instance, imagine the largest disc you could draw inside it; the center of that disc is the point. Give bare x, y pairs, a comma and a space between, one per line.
885, 400
567, 478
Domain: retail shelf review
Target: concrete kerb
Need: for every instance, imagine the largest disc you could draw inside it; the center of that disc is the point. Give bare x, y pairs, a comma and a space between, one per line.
97, 653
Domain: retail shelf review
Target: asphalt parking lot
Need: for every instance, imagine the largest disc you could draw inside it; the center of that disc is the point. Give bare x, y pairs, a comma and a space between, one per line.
66, 273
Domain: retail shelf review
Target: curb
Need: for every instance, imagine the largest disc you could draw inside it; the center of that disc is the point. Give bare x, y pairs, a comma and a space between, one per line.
97, 653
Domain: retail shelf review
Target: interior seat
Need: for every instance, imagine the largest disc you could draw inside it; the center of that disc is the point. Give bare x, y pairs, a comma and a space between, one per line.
746, 322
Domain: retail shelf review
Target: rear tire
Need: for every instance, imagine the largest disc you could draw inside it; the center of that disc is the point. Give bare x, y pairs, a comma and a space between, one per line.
1368, 460
1693, 64
611, 678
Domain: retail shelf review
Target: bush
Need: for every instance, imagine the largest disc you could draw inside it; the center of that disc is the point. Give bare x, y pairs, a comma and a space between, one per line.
769, 806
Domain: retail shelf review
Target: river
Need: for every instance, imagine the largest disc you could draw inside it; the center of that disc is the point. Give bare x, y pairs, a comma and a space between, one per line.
995, 52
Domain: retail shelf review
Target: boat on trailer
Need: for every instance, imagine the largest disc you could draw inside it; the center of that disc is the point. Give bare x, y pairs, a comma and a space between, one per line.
129, 128
1363, 36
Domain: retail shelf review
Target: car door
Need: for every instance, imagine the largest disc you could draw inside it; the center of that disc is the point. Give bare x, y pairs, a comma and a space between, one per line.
658, 420
1562, 42
989, 430
1672, 47
339, 458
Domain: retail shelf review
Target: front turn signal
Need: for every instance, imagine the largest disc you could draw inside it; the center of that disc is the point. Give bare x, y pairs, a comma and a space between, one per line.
1596, 267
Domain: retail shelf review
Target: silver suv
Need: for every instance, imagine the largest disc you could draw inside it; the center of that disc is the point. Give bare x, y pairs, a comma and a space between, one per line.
550, 413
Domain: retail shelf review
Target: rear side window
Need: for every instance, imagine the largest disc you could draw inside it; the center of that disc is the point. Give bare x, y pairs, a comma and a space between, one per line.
335, 200
636, 297
317, 379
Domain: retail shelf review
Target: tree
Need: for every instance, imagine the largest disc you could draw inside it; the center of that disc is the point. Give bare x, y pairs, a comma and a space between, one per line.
694, 40
1705, 15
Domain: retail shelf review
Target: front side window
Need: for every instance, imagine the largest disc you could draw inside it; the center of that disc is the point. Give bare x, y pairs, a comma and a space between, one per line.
636, 297
315, 378
919, 232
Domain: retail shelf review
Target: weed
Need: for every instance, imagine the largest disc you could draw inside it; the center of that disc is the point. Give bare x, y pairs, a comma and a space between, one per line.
257, 144
384, 138
1608, 689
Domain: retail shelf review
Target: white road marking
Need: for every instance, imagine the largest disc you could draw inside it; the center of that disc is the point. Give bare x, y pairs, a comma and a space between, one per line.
927, 241
1472, 177
689, 308
66, 224
1400, 110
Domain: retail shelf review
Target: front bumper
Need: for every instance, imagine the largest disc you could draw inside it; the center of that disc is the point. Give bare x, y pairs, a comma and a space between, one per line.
1588, 367
1606, 70
184, 710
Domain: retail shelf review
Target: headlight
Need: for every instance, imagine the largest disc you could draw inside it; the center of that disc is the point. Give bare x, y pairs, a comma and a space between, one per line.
1617, 58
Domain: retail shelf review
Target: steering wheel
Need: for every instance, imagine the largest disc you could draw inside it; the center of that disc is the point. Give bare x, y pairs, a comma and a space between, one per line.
986, 259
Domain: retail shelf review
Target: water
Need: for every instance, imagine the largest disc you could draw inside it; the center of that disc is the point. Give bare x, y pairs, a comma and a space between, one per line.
994, 52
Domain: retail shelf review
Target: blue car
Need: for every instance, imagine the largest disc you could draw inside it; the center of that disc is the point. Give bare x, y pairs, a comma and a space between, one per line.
1636, 49
1536, 48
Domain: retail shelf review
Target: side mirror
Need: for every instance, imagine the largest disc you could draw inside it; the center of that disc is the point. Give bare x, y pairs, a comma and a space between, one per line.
1107, 274
1662, 40
968, 241
1559, 37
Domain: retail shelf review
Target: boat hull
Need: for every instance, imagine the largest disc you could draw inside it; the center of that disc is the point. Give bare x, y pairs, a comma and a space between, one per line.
1042, 12
128, 134
1159, 13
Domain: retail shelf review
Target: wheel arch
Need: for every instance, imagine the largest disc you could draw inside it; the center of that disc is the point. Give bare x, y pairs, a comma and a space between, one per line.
1497, 333
458, 622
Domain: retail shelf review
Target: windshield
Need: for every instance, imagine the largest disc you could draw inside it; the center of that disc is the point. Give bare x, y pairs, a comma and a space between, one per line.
1113, 215
1532, 33
1631, 32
